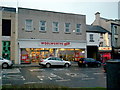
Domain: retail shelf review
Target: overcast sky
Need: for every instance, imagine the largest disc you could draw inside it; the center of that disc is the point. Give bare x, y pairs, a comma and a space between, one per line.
107, 8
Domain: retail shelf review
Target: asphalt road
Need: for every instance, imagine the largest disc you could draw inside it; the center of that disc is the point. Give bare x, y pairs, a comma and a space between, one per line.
73, 76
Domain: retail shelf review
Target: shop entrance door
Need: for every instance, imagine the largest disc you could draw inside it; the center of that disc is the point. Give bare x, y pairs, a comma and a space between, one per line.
44, 53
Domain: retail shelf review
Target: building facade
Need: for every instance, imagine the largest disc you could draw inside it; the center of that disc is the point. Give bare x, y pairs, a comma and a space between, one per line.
45, 33
112, 26
98, 43
8, 33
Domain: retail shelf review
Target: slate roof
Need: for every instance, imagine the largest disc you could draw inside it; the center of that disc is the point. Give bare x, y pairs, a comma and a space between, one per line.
10, 9
96, 29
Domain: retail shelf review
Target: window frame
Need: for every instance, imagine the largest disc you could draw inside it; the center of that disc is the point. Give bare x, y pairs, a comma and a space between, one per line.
91, 37
54, 27
65, 25
115, 30
42, 26
30, 26
78, 28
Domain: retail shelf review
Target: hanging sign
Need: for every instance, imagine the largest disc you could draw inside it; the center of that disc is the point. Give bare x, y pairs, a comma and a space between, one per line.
105, 48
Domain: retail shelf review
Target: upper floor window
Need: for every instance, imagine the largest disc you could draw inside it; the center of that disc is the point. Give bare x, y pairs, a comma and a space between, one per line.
115, 30
67, 27
91, 38
42, 26
28, 25
55, 27
78, 28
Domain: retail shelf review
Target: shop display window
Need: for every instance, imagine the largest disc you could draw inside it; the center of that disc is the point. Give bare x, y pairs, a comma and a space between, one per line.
33, 55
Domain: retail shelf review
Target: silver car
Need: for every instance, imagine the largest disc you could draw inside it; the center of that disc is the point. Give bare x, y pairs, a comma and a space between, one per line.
4, 63
54, 61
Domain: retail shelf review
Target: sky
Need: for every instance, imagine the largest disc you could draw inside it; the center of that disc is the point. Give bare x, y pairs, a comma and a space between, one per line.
108, 8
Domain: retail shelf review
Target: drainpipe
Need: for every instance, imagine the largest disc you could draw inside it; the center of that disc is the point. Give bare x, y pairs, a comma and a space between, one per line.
1, 31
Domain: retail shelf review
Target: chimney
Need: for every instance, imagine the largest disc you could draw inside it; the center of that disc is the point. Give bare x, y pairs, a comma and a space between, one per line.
97, 18
97, 15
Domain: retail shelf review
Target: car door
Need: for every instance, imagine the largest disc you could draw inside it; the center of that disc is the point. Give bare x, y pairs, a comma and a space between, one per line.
52, 61
92, 62
59, 61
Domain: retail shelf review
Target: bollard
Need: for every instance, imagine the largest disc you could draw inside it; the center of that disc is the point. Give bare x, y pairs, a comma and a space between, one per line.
113, 74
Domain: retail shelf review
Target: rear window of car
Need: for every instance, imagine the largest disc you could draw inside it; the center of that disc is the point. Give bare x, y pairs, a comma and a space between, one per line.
59, 59
87, 59
93, 60
52, 58
82, 59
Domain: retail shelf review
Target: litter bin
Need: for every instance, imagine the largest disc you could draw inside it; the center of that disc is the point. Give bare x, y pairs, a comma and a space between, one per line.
113, 74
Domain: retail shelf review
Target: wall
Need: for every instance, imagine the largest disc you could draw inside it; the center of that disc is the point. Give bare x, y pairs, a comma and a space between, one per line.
0, 33
96, 38
13, 38
50, 17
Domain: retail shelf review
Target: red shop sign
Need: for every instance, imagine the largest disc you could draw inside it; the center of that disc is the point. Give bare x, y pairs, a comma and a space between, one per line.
55, 43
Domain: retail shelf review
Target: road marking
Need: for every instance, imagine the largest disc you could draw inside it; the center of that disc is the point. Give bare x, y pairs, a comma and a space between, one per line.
32, 82
77, 75
97, 73
50, 78
72, 74
13, 77
59, 69
40, 77
88, 78
29, 82
36, 70
63, 80
6, 71
54, 77
22, 77
7, 84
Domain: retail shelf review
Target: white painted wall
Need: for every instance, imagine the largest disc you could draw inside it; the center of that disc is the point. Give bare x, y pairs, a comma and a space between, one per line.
96, 38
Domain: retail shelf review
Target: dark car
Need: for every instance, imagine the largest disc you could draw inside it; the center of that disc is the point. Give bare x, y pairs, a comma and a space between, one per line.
88, 62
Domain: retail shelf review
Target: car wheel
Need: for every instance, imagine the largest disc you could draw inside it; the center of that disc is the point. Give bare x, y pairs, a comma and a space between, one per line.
98, 65
48, 65
4, 65
86, 65
66, 65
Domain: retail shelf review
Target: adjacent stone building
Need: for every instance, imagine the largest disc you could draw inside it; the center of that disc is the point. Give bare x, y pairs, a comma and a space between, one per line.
112, 26
98, 43
8, 33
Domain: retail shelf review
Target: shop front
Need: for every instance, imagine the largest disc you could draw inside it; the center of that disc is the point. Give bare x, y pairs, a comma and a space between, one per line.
105, 53
33, 51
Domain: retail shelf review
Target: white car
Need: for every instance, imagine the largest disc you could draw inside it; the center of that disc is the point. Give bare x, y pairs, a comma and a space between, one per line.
54, 61
5, 63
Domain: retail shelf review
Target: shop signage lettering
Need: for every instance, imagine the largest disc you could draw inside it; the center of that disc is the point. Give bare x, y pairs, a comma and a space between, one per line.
105, 48
55, 43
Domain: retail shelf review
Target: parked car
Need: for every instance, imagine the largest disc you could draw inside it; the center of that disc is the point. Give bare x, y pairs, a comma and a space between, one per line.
4, 63
54, 61
88, 62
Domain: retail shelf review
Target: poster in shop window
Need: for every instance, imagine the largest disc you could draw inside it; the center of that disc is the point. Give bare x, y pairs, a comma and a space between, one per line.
24, 56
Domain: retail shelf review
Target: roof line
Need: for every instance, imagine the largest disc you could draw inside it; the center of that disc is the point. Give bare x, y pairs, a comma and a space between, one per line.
49, 11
